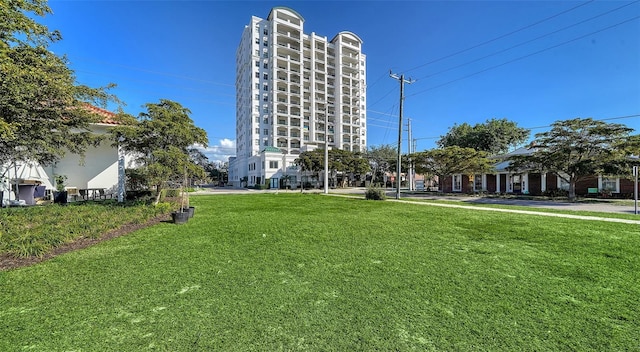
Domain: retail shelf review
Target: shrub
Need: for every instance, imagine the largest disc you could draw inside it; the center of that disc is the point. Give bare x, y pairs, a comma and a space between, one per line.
555, 193
138, 195
163, 207
34, 231
374, 193
137, 179
172, 193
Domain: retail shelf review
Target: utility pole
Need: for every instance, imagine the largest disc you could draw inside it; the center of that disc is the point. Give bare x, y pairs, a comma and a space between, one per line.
402, 82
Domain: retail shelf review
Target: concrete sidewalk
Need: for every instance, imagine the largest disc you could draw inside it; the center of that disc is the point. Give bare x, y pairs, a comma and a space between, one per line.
604, 206
528, 212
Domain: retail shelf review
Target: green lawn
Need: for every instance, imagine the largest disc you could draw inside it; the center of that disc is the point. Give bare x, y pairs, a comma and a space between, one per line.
269, 272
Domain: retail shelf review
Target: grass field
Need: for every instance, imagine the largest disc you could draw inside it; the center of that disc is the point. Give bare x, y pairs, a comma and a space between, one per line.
271, 272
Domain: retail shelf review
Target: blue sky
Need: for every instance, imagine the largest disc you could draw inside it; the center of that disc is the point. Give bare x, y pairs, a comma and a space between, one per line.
530, 62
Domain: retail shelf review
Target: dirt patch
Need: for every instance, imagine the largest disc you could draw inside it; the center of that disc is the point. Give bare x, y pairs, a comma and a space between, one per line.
8, 262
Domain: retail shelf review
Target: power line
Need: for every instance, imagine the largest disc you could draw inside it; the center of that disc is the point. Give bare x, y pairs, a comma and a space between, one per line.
381, 113
525, 56
376, 81
502, 36
155, 83
155, 72
380, 126
384, 96
378, 120
529, 41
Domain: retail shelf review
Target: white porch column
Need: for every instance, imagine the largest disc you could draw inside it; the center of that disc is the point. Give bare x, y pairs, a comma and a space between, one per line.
543, 182
498, 183
599, 182
484, 182
525, 183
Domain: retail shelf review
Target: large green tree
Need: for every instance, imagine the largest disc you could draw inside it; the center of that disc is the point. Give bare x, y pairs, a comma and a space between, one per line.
350, 164
382, 159
579, 148
162, 140
494, 136
42, 109
218, 172
346, 162
452, 160
311, 161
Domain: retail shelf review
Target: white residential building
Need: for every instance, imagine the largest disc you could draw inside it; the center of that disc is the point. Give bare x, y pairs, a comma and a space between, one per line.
293, 91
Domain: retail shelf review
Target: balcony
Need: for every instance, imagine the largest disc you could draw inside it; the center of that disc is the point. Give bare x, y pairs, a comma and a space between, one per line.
289, 46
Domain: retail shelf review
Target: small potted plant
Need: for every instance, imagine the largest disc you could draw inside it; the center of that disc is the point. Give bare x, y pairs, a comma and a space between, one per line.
182, 215
185, 196
60, 196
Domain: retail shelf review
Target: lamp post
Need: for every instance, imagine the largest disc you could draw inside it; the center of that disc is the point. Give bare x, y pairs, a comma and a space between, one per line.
284, 167
326, 151
635, 190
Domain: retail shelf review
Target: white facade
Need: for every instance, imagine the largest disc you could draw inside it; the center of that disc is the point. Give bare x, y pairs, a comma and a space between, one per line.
97, 170
288, 86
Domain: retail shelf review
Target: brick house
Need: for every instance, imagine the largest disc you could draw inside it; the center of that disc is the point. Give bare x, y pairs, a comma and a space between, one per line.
503, 180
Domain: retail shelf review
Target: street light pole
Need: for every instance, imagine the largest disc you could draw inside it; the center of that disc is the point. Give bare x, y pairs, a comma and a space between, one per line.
284, 168
326, 151
635, 190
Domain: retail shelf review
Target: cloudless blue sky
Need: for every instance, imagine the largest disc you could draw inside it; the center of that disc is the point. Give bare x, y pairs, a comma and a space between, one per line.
526, 61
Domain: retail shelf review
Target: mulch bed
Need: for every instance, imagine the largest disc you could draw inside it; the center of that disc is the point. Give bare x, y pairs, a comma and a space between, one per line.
8, 262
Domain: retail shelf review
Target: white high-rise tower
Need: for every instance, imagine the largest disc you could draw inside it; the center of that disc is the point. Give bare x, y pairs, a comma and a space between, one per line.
288, 86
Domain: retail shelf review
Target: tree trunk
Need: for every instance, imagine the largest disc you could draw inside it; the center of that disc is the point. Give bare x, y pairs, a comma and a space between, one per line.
572, 190
158, 194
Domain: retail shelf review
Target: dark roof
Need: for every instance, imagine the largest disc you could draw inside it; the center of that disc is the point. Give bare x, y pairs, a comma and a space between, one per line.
272, 150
